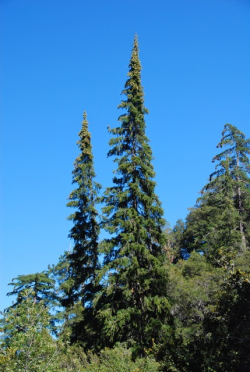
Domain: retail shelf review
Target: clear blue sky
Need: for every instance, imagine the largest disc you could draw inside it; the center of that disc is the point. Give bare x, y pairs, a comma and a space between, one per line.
61, 57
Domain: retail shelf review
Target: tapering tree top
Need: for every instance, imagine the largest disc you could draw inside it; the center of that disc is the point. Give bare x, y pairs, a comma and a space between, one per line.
84, 142
84, 258
133, 88
135, 61
136, 283
236, 144
131, 139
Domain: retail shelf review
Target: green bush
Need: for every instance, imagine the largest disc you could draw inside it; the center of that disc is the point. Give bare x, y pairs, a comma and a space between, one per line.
118, 359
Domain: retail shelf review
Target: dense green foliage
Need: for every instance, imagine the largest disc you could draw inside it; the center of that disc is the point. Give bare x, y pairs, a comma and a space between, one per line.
147, 298
83, 261
219, 223
25, 343
41, 284
85, 231
133, 303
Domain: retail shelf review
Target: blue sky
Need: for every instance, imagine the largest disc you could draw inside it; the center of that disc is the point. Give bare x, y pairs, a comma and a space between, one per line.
62, 57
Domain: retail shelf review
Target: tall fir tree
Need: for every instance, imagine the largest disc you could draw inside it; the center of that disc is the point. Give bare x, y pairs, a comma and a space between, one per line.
216, 218
84, 261
219, 223
237, 147
85, 231
133, 304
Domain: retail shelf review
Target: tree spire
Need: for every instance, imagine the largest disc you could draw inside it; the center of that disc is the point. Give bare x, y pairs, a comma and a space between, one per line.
84, 258
133, 305
84, 262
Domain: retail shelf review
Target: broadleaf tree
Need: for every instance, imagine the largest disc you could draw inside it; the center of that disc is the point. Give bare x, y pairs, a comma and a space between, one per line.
25, 340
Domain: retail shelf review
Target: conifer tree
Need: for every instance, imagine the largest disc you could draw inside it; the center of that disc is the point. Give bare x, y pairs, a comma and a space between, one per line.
219, 223
212, 225
84, 258
41, 284
133, 304
238, 148
84, 261
219, 215
40, 287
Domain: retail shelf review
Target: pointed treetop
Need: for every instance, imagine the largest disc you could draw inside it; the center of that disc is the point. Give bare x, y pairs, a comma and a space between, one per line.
85, 117
85, 126
133, 88
237, 146
135, 51
84, 142
136, 43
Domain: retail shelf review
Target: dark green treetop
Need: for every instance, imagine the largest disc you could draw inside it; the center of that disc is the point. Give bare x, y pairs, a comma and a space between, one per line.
219, 223
237, 148
133, 304
41, 284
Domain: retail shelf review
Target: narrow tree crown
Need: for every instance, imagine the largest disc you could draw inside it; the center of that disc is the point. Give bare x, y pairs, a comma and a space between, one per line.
84, 258
136, 283
220, 221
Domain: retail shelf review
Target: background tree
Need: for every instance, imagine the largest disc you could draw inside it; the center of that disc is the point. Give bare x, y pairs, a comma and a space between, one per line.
133, 303
224, 345
193, 287
219, 222
237, 147
213, 223
175, 246
25, 341
41, 284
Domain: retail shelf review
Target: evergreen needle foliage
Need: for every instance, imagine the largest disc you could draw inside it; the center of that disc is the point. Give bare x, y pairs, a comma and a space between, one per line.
219, 223
133, 304
148, 297
84, 258
84, 261
237, 149
42, 287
